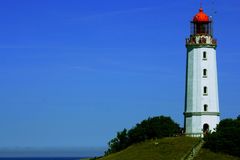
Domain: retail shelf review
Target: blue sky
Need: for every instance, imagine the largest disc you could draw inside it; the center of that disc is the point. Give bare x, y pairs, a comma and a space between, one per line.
73, 73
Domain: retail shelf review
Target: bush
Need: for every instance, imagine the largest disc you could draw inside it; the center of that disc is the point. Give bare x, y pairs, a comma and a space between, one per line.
226, 138
156, 127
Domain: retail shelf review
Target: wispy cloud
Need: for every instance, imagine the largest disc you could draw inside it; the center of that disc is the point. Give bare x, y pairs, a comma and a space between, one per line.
118, 69
58, 47
84, 68
113, 13
16, 47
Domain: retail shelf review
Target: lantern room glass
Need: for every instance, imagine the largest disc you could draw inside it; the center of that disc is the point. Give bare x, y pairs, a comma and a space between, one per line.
201, 28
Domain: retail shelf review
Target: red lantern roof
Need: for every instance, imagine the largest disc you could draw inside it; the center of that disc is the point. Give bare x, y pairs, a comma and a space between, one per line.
201, 17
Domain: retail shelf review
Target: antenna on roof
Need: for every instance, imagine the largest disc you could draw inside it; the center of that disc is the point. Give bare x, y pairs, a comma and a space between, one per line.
200, 3
213, 8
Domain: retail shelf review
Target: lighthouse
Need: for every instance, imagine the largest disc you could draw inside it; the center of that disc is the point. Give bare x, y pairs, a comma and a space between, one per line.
201, 113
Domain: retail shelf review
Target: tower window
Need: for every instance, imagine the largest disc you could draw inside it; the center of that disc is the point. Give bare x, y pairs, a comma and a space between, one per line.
204, 73
205, 107
205, 90
204, 55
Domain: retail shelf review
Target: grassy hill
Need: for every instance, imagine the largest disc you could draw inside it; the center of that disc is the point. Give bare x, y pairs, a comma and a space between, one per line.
207, 154
166, 149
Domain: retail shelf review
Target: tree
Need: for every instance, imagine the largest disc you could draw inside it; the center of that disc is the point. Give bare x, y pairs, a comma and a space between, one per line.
118, 143
226, 138
151, 128
156, 127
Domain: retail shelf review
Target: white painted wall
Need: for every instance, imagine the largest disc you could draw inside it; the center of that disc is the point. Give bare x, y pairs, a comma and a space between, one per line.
195, 99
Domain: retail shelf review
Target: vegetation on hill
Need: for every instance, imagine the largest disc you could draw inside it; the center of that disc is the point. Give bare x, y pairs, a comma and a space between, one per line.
151, 128
226, 139
165, 148
146, 141
207, 154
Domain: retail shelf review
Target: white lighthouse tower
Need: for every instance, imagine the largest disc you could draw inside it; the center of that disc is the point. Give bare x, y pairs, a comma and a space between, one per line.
201, 100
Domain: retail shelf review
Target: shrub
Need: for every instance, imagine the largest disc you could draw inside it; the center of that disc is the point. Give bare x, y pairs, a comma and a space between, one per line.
226, 138
151, 128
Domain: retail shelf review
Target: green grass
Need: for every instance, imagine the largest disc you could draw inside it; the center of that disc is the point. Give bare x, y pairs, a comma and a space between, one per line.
161, 149
207, 154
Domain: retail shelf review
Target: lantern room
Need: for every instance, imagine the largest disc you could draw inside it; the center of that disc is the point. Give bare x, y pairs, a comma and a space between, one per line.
201, 24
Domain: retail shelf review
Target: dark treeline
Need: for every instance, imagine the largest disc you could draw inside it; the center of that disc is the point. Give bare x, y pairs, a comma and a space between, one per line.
151, 128
226, 139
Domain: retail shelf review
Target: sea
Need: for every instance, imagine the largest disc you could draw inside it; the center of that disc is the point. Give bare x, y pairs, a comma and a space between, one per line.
42, 158
51, 154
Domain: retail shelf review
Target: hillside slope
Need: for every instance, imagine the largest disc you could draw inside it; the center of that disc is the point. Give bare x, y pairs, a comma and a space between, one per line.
207, 154
165, 149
